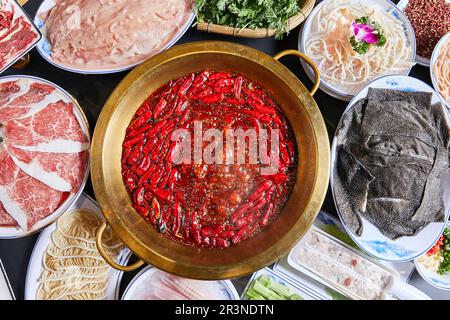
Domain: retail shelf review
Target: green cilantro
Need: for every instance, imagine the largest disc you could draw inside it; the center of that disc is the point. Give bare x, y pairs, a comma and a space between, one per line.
363, 20
252, 14
360, 47
381, 40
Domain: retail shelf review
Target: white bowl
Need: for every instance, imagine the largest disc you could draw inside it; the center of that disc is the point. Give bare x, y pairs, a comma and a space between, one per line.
434, 56
16, 232
388, 6
436, 280
45, 49
372, 241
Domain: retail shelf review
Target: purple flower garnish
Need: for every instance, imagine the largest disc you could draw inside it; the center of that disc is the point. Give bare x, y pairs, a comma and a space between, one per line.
365, 32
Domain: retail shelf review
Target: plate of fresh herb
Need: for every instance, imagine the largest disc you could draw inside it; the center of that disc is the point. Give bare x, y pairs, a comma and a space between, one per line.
252, 19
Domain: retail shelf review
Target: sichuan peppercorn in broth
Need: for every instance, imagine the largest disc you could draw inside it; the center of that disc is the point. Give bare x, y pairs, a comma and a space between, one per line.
198, 201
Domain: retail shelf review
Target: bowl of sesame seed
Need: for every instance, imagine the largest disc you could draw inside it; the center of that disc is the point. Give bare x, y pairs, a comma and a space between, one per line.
430, 20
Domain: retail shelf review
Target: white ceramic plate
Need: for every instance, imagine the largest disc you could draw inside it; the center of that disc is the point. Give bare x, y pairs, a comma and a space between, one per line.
436, 280
306, 27
371, 240
226, 287
19, 9
306, 295
420, 60
16, 232
44, 46
434, 56
35, 266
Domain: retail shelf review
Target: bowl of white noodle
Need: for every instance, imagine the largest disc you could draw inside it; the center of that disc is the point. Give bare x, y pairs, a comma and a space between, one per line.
325, 38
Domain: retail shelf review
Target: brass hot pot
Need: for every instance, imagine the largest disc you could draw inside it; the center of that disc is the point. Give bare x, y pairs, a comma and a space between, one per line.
268, 245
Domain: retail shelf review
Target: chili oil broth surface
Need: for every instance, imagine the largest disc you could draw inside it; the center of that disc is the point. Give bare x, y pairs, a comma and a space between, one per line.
207, 205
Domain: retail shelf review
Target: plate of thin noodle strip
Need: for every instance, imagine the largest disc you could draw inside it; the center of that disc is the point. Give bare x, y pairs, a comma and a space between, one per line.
66, 265
326, 34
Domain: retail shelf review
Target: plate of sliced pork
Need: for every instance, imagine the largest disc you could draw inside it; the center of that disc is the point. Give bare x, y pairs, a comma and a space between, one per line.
44, 154
123, 33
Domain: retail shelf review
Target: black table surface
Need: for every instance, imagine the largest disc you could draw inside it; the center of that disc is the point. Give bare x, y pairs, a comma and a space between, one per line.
92, 91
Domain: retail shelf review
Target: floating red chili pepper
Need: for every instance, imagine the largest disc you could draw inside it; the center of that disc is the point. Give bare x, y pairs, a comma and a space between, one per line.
214, 98
177, 218
146, 176
134, 156
219, 75
260, 189
162, 194
131, 142
138, 196
184, 87
266, 215
144, 165
202, 94
144, 117
159, 108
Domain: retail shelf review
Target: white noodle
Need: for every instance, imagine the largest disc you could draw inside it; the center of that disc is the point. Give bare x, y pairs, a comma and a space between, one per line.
328, 45
73, 267
441, 70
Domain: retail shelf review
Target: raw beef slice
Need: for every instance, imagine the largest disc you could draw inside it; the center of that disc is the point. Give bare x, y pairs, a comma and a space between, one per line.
26, 199
52, 129
27, 99
5, 219
60, 171
7, 89
16, 34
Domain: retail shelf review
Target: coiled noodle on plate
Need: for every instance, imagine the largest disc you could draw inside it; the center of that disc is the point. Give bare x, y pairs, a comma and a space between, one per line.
327, 43
73, 267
